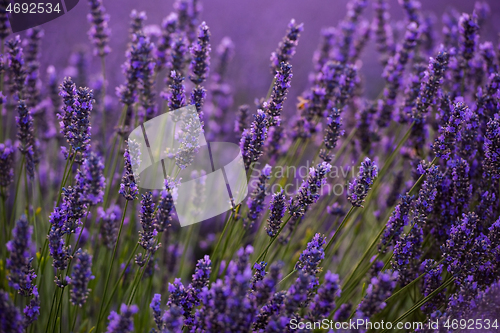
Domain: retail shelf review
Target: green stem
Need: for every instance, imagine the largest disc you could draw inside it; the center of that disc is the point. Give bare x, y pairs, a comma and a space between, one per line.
111, 263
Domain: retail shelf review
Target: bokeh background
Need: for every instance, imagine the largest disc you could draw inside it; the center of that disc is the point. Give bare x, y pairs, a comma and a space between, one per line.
255, 27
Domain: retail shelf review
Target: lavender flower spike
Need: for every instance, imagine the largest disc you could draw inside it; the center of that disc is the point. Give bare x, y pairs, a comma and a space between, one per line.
91, 178
80, 125
110, 220
255, 201
280, 89
492, 149
10, 317
80, 278
324, 301
17, 72
59, 252
358, 189
99, 31
252, 141
398, 220
156, 307
286, 48
148, 232
165, 208
277, 208
32, 310
6, 164
309, 191
200, 54
67, 91
21, 276
128, 187
176, 96
333, 129
312, 256
379, 289
444, 144
123, 322
25, 135
469, 37
168, 28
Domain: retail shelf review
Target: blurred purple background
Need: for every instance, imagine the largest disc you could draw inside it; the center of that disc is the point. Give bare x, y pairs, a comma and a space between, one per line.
256, 27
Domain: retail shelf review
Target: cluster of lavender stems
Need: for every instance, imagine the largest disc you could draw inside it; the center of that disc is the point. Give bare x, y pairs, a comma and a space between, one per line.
367, 200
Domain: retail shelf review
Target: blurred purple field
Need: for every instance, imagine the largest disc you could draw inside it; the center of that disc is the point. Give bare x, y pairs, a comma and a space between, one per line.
255, 28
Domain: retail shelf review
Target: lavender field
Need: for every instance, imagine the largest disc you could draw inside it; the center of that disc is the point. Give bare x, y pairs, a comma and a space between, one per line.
369, 133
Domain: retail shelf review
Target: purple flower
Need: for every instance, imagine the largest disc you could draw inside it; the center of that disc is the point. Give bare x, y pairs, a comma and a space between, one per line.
312, 256
172, 319
343, 313
79, 130
280, 89
277, 211
393, 73
242, 119
21, 276
6, 164
32, 310
255, 201
396, 223
32, 45
309, 191
25, 135
99, 31
201, 274
68, 93
491, 163
412, 10
17, 72
146, 77
358, 189
176, 96
264, 284
137, 22
270, 310
449, 130
123, 322
252, 141
286, 48
347, 82
379, 289
128, 187
468, 28
73, 208
168, 28
189, 141
110, 219
164, 209
59, 252
200, 56
10, 317
138, 62
407, 252
411, 92
156, 307
383, 31
461, 237
178, 54
324, 301
433, 79
347, 27
148, 232
91, 179
4, 21
333, 129
322, 54
80, 278
431, 281
489, 57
